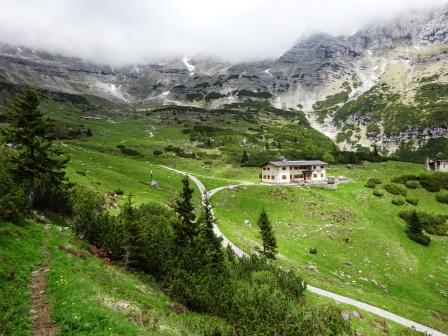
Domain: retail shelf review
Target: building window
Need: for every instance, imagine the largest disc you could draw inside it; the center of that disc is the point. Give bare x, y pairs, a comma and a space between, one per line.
321, 175
322, 167
314, 175
301, 176
284, 177
272, 177
264, 177
284, 168
314, 167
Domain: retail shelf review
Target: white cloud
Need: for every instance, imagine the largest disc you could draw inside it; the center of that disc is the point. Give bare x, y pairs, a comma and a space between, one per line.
134, 31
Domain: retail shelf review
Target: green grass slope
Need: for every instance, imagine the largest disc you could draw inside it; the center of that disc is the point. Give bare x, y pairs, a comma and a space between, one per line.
87, 295
363, 251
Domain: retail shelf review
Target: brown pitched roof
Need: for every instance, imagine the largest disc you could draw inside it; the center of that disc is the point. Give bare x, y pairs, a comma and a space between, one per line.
286, 163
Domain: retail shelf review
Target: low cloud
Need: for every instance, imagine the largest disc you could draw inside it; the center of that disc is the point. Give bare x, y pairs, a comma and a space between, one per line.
119, 32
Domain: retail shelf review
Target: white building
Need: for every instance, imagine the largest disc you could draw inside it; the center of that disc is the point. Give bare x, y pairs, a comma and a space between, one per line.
436, 165
286, 171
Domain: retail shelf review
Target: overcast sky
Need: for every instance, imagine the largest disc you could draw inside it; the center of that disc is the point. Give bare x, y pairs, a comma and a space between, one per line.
121, 32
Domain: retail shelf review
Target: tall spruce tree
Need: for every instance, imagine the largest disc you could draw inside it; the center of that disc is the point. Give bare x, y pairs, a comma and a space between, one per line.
211, 244
267, 235
186, 228
38, 164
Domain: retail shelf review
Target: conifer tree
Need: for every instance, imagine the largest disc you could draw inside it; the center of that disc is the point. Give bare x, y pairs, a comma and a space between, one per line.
414, 225
211, 244
186, 228
37, 162
267, 235
244, 157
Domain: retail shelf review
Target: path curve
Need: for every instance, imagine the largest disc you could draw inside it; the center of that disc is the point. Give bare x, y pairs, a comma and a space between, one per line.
339, 298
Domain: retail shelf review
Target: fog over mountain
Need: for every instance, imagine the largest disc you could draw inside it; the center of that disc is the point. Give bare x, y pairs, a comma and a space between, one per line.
117, 32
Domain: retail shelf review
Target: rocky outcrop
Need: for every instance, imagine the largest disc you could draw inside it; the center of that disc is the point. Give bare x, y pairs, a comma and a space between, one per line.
316, 60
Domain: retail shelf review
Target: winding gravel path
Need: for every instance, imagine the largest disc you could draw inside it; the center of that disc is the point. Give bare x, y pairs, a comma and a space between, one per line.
339, 298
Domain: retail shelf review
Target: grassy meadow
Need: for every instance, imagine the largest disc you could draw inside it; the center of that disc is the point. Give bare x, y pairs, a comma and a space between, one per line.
362, 249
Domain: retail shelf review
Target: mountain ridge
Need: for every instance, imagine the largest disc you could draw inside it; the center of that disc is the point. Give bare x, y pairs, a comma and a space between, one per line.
362, 89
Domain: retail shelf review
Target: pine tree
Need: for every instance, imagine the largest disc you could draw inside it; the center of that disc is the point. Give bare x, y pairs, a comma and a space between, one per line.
186, 229
414, 225
210, 243
37, 163
267, 235
244, 157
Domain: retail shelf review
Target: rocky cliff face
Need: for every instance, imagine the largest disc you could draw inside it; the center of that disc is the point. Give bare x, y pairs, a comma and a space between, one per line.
384, 85
316, 61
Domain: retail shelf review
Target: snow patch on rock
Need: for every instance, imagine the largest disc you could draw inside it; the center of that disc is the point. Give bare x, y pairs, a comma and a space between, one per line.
190, 67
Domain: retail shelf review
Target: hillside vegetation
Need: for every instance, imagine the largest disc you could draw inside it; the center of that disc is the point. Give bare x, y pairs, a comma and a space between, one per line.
352, 240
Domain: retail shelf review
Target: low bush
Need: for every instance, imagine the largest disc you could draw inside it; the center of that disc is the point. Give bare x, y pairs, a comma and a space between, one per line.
50, 196
13, 199
434, 224
129, 151
430, 184
378, 193
405, 178
313, 250
412, 200
419, 238
398, 201
374, 180
431, 223
180, 152
412, 184
119, 191
434, 182
442, 197
157, 152
395, 189
86, 209
370, 184
415, 227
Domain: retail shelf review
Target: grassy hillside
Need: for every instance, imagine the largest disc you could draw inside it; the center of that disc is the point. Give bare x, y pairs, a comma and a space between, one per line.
111, 170
362, 249
87, 295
